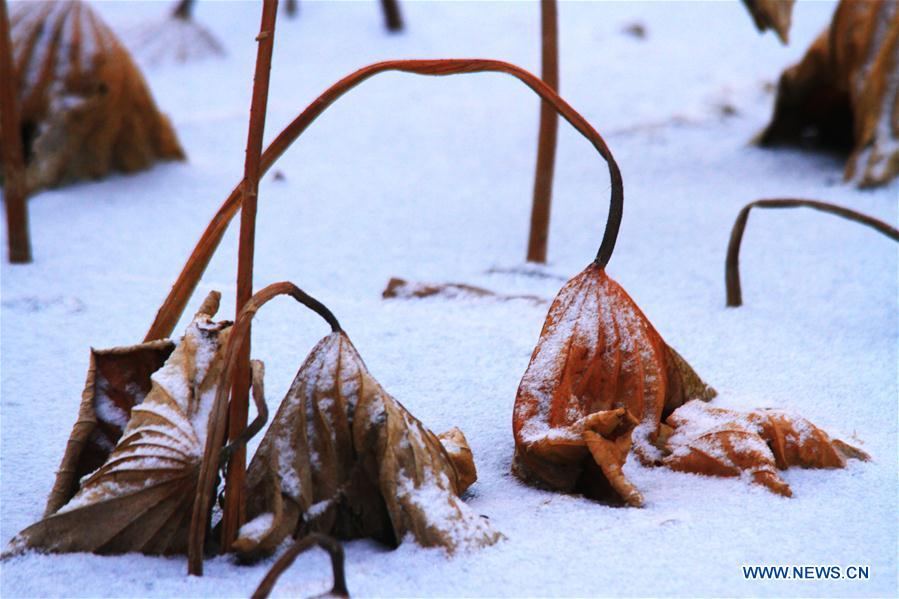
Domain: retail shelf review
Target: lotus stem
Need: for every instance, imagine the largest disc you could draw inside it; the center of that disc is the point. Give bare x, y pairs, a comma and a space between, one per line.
732, 262
538, 237
173, 306
235, 503
15, 190
291, 8
392, 17
215, 437
335, 551
184, 10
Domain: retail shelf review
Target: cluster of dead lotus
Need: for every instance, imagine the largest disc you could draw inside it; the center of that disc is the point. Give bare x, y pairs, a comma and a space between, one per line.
160, 421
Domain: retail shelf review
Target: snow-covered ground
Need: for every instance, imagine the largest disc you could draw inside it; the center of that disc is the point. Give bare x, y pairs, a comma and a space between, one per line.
430, 180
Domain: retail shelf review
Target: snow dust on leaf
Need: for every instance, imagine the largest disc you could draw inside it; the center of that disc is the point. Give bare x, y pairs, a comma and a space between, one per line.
140, 499
342, 457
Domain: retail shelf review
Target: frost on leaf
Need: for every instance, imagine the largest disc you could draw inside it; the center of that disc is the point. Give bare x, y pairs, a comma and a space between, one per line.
599, 382
140, 499
720, 442
342, 457
85, 107
844, 92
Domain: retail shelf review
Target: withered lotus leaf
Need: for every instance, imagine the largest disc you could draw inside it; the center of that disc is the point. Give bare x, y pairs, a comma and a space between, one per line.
772, 14
85, 108
140, 499
845, 89
403, 289
117, 380
598, 384
721, 442
343, 457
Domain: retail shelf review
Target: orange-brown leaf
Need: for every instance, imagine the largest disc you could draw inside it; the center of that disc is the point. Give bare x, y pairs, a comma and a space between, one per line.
597, 353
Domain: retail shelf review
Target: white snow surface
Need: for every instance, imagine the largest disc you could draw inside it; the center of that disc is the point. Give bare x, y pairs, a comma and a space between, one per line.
430, 180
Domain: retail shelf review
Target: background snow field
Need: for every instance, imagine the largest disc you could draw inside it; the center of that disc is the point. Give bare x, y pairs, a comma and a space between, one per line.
430, 180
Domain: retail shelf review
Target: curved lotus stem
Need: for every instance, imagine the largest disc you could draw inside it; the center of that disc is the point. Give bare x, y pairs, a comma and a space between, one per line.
334, 549
732, 262
183, 288
215, 437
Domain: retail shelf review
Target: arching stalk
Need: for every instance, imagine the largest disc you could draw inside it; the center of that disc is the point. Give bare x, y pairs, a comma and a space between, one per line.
215, 437
732, 262
335, 551
168, 315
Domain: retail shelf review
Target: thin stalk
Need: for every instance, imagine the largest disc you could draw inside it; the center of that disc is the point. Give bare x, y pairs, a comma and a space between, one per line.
291, 7
215, 436
393, 19
234, 508
335, 551
732, 262
173, 306
538, 237
15, 190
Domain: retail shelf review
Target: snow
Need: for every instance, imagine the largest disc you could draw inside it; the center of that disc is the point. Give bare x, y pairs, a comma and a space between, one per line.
430, 180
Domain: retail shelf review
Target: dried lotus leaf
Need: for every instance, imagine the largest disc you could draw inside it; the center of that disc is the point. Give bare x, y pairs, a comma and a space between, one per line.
140, 499
85, 109
845, 90
402, 289
597, 354
342, 457
721, 442
117, 380
772, 14
179, 38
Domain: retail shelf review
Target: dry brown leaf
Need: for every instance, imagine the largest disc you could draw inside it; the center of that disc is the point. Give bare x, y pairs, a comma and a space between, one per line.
720, 442
117, 380
85, 108
342, 457
599, 382
845, 90
140, 499
772, 14
403, 289
179, 38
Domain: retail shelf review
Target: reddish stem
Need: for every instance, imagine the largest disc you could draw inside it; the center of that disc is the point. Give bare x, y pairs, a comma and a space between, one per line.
732, 262
171, 309
234, 508
15, 191
546, 144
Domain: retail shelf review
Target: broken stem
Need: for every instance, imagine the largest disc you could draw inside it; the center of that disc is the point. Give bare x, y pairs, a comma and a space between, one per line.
15, 191
215, 437
732, 262
538, 237
171, 309
335, 551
